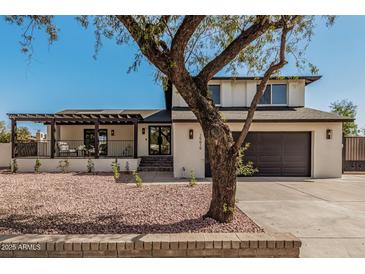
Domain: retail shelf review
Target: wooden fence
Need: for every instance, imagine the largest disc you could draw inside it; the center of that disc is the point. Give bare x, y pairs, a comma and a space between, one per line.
354, 154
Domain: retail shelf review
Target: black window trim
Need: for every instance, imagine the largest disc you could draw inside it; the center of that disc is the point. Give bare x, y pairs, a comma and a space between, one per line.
271, 104
220, 93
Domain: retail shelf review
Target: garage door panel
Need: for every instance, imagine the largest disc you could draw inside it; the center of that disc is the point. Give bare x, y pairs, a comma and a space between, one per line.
279, 153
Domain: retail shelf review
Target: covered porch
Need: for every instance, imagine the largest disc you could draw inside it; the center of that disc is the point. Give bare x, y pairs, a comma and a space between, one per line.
81, 135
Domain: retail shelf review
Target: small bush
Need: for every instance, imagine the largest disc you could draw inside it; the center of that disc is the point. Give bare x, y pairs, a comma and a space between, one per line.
137, 179
14, 166
90, 166
37, 166
244, 169
116, 169
192, 182
63, 165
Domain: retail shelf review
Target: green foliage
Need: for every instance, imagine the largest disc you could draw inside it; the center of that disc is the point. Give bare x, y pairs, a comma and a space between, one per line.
137, 179
37, 166
241, 168
14, 166
116, 169
348, 109
228, 209
23, 134
90, 166
64, 165
193, 181
4, 133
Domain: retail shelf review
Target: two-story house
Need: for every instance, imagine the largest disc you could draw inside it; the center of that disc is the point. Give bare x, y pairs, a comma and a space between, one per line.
286, 138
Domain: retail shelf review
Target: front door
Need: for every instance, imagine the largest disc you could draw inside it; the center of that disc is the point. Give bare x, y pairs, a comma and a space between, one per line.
159, 140
89, 140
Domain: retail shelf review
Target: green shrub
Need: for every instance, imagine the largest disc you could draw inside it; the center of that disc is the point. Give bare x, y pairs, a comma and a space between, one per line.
116, 169
192, 182
90, 166
63, 165
14, 166
137, 179
244, 169
37, 166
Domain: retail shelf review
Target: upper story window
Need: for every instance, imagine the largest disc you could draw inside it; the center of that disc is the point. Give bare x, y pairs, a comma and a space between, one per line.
275, 94
215, 93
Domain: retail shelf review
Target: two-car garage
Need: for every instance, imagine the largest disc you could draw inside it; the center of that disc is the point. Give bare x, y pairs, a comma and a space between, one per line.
277, 153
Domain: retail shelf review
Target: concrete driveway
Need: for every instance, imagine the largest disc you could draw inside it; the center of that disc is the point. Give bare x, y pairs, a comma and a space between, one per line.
328, 215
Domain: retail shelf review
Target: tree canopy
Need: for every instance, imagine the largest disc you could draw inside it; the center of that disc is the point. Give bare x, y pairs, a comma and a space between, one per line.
348, 109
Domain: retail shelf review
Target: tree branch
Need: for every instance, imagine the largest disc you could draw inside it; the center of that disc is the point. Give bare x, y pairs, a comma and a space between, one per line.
146, 43
232, 50
182, 37
262, 86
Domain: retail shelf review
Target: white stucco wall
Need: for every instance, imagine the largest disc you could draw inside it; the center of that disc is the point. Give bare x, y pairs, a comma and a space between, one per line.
239, 93
326, 154
188, 153
76, 165
5, 154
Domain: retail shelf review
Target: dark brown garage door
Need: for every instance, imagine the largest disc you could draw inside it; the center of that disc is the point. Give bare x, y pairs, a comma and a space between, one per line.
277, 153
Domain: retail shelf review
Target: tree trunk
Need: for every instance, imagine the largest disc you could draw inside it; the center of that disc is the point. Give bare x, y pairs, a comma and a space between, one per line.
219, 142
223, 166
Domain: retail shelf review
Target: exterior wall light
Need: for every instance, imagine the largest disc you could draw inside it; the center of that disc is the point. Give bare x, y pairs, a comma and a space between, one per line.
143, 130
191, 134
329, 134
112, 132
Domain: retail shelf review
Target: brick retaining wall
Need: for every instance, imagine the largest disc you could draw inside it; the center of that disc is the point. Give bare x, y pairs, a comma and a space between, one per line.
152, 245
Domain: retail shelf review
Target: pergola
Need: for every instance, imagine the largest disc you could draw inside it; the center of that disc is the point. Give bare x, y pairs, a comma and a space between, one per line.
73, 119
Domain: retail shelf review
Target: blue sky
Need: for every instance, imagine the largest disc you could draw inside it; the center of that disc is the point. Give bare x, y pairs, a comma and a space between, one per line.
64, 75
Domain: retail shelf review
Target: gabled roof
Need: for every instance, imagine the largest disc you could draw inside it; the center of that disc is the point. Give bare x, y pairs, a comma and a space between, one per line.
266, 114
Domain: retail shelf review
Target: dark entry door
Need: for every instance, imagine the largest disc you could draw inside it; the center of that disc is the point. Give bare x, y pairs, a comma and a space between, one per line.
89, 140
277, 153
159, 140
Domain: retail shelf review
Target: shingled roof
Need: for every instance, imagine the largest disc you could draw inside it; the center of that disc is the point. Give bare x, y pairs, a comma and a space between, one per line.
278, 114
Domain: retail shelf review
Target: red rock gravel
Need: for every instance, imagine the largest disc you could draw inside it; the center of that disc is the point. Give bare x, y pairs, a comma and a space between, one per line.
77, 203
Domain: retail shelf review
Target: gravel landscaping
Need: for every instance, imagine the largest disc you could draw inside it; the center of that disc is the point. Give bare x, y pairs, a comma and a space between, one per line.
80, 203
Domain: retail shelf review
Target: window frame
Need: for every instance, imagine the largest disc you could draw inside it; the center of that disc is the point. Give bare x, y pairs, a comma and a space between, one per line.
271, 104
220, 94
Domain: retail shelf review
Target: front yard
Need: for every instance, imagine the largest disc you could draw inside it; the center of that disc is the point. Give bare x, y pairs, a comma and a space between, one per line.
80, 203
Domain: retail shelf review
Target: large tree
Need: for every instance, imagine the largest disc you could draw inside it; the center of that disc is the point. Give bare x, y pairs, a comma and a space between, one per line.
4, 133
189, 51
348, 109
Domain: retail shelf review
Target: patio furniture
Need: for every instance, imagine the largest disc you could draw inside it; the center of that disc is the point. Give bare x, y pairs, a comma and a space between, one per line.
65, 150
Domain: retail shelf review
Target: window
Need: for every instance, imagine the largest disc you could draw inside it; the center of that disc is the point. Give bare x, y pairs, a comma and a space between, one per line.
215, 93
275, 94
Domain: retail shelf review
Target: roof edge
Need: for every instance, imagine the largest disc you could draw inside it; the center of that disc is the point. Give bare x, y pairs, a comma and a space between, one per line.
308, 79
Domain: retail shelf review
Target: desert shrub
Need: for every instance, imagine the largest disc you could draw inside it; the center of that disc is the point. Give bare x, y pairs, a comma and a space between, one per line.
37, 166
116, 169
192, 181
244, 169
63, 165
90, 166
137, 179
14, 166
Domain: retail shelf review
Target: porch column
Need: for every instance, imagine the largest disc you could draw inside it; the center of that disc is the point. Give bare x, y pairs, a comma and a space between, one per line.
135, 140
13, 139
96, 139
53, 141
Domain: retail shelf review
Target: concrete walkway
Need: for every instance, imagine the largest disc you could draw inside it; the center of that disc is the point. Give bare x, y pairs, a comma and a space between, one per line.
328, 215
